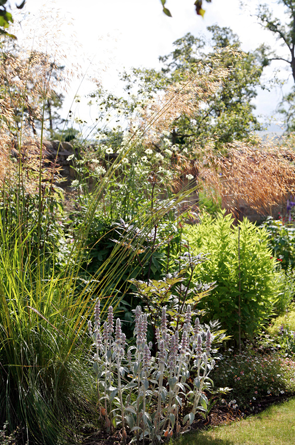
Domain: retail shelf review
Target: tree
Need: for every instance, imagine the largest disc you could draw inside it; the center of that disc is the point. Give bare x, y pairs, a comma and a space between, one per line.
6, 17
224, 115
285, 33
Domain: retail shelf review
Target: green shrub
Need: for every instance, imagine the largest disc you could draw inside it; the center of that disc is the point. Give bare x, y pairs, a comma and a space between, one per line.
284, 321
286, 282
209, 201
280, 335
281, 239
241, 267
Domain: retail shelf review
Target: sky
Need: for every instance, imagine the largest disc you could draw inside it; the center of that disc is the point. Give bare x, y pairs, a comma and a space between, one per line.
105, 37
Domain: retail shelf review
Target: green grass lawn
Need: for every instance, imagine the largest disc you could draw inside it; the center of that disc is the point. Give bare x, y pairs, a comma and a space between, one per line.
274, 426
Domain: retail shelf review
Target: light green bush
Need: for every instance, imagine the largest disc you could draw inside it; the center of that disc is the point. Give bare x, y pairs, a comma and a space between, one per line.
286, 321
242, 267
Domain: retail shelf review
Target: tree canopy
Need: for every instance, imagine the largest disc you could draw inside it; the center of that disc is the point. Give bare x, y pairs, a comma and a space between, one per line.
285, 34
225, 80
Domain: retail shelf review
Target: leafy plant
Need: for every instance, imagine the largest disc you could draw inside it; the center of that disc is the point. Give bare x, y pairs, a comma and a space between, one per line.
281, 240
244, 273
253, 375
145, 393
280, 334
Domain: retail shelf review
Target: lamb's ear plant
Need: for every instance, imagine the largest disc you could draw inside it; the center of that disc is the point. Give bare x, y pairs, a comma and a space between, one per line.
142, 392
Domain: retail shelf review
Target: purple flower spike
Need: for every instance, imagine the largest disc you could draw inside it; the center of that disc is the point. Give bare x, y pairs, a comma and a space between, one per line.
199, 347
164, 320
188, 315
97, 313
208, 342
118, 330
110, 320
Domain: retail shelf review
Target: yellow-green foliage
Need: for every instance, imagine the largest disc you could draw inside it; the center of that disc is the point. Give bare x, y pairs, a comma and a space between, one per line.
242, 268
287, 321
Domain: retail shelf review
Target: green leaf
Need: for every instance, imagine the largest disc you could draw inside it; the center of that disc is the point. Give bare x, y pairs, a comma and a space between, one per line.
204, 401
189, 417
167, 12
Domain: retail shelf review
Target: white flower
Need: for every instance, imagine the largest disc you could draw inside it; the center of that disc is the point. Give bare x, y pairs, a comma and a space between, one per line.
159, 156
166, 133
144, 159
174, 147
95, 161
101, 108
109, 151
69, 158
75, 183
167, 141
100, 170
189, 177
125, 161
149, 151
185, 150
168, 152
119, 111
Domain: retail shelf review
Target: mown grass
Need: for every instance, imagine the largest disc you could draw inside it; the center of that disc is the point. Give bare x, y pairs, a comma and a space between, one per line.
274, 426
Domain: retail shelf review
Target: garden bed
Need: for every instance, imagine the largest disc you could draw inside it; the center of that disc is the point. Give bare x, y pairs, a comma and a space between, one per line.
221, 414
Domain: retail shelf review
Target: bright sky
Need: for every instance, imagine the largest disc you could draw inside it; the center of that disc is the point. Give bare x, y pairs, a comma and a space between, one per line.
123, 33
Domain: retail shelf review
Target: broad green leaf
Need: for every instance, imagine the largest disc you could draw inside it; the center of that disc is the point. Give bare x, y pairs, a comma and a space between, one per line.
167, 12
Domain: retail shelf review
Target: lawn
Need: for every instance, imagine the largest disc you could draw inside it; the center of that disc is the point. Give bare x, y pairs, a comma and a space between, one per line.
274, 426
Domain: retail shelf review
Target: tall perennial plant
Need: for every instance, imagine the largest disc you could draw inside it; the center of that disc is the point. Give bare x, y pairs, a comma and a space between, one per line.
145, 392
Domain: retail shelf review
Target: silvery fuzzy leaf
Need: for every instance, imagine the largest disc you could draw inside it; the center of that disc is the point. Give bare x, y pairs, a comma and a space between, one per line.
180, 385
189, 417
96, 367
204, 401
130, 421
197, 383
130, 409
172, 419
172, 381
131, 385
163, 394
146, 419
113, 394
158, 375
136, 428
149, 392
179, 401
